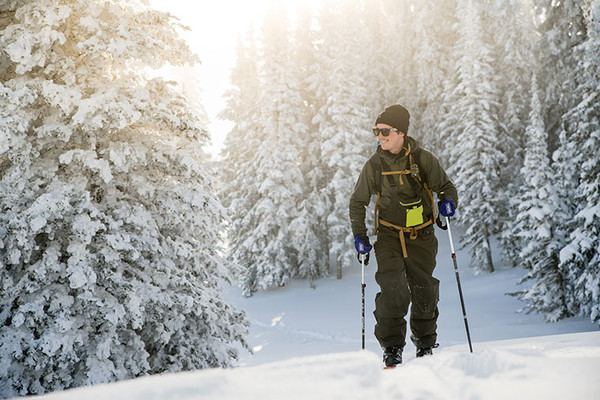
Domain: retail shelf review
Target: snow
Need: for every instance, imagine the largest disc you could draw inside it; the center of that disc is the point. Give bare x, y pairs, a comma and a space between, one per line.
307, 345
551, 367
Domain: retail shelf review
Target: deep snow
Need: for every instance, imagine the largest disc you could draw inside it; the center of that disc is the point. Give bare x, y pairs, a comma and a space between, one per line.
550, 367
307, 345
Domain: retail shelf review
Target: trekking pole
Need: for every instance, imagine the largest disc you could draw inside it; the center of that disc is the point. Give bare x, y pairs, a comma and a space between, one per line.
363, 285
460, 294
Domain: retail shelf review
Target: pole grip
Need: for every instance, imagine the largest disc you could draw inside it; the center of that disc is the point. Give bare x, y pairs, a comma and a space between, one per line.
450, 235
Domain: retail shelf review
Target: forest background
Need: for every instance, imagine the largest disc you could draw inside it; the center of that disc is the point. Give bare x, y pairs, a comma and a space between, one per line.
505, 93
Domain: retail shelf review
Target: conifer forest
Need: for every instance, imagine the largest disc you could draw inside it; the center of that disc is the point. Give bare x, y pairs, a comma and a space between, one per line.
505, 93
118, 229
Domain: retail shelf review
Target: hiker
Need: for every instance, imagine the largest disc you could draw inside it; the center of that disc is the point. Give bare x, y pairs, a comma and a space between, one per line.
403, 175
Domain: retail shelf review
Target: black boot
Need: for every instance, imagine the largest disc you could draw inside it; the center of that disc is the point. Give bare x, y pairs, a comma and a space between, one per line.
392, 356
426, 351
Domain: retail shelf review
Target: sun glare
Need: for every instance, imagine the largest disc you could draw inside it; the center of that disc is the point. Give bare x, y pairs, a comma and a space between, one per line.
213, 36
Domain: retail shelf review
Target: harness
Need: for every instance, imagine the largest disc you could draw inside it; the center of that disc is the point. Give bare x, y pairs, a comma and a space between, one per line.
417, 180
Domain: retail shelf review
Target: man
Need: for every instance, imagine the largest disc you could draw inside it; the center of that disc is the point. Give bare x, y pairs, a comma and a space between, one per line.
403, 175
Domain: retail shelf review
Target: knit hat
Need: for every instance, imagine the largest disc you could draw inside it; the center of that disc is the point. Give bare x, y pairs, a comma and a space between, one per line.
396, 116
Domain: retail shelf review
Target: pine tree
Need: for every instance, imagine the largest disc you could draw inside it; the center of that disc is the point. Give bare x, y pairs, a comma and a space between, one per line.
580, 258
433, 61
477, 160
515, 54
310, 239
389, 45
342, 118
238, 189
109, 254
267, 253
534, 232
561, 27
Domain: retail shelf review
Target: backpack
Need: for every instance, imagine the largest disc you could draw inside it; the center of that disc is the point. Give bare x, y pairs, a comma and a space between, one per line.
416, 178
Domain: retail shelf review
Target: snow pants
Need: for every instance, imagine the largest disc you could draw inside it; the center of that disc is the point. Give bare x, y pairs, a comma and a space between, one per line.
403, 281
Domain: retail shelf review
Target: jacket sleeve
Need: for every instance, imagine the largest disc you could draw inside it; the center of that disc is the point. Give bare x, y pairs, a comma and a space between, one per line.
437, 179
360, 199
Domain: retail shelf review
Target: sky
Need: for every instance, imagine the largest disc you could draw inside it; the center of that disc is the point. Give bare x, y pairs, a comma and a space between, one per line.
215, 27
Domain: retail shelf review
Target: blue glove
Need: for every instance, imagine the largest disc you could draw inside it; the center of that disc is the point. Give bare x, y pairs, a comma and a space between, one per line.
446, 208
361, 242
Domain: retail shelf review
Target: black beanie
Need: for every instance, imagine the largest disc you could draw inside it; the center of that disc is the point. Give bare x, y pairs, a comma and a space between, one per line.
396, 116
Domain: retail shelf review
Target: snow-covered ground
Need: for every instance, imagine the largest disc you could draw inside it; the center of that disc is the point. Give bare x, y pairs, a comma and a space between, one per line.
561, 367
307, 346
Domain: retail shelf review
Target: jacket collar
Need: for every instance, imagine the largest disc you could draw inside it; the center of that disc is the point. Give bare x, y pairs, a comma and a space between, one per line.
410, 145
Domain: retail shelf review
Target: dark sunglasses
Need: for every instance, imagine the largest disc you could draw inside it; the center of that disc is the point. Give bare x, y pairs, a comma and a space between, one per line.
385, 131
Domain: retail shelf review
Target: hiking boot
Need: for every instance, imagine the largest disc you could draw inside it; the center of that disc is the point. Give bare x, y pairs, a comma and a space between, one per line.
426, 351
392, 356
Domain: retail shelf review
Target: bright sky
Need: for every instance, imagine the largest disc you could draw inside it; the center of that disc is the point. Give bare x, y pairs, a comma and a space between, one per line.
215, 27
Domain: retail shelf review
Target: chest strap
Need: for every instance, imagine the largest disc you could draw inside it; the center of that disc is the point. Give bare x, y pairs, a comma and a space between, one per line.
399, 173
413, 230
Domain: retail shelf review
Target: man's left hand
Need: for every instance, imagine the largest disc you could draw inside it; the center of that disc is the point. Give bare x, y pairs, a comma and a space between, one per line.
446, 208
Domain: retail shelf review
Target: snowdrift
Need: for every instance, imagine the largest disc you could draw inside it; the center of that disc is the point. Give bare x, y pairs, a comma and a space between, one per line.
548, 367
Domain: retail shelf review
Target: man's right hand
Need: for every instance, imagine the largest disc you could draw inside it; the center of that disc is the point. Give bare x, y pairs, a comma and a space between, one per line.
361, 242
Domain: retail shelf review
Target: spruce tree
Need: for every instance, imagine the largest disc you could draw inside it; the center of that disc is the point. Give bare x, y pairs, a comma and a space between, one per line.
581, 148
267, 253
477, 161
390, 45
534, 233
343, 118
309, 236
238, 188
109, 246
561, 28
434, 62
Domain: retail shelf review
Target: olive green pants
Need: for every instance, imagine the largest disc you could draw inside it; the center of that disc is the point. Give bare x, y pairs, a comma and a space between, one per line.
403, 281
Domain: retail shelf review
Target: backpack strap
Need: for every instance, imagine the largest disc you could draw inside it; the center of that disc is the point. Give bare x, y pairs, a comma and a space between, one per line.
377, 165
421, 178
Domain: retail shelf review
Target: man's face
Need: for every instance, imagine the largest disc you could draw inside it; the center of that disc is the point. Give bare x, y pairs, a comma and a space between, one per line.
393, 142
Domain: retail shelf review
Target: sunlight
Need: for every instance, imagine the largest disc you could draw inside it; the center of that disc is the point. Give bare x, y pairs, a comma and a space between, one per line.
215, 28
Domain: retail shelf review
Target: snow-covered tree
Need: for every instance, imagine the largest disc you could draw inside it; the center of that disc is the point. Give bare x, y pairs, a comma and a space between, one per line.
238, 190
309, 238
580, 152
476, 160
109, 238
534, 232
342, 117
561, 26
433, 59
267, 253
514, 57
389, 47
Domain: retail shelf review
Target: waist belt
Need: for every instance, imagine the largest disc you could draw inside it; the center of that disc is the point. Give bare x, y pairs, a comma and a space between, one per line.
413, 230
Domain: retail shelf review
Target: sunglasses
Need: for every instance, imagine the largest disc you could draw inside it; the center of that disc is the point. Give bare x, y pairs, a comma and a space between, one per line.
385, 131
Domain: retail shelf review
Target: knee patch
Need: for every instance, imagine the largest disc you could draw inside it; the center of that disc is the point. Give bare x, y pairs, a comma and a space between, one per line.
424, 301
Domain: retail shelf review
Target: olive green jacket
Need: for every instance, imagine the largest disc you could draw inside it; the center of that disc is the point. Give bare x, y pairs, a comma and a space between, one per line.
389, 209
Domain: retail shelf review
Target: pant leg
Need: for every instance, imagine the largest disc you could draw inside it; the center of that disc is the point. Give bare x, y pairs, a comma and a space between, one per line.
424, 288
391, 303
